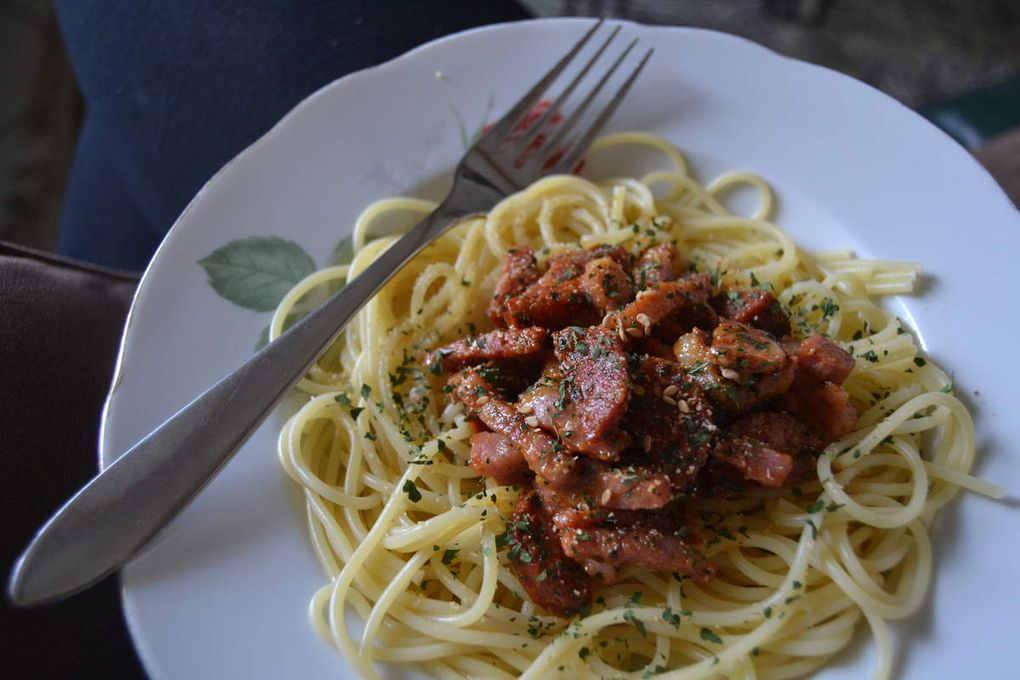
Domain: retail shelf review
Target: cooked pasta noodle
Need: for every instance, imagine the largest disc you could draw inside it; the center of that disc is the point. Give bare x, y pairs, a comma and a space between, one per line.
409, 536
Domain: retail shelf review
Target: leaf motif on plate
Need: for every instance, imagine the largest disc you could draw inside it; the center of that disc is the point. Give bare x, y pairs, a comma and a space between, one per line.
466, 140
257, 272
344, 251
263, 338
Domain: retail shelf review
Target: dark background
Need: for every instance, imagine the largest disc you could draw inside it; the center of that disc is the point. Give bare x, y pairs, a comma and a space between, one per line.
956, 61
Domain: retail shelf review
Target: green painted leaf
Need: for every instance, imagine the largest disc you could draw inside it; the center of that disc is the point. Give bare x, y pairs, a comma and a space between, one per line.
465, 140
263, 338
257, 272
344, 251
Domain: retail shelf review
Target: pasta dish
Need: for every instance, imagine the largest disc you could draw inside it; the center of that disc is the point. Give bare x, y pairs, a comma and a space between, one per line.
616, 430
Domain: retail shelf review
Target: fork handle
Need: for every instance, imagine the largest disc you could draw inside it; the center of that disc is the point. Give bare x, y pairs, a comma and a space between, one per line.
121, 510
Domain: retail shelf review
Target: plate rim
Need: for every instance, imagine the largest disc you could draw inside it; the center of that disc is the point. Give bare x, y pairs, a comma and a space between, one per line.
104, 456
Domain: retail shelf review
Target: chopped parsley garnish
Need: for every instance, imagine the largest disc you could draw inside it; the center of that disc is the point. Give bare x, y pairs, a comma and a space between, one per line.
829, 308
710, 636
411, 489
629, 617
671, 618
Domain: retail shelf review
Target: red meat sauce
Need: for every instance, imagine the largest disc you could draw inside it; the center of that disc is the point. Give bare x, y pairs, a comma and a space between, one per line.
612, 389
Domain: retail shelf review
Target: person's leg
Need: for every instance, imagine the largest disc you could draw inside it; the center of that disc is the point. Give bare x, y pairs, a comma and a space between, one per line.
101, 220
177, 89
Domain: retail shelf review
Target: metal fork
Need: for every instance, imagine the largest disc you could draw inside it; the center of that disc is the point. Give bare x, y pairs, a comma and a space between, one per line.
117, 514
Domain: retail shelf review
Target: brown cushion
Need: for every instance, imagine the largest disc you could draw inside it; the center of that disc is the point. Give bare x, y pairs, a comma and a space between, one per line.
60, 326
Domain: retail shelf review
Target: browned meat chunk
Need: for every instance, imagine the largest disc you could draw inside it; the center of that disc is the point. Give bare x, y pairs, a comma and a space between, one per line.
606, 284
537, 559
676, 306
654, 542
519, 271
540, 401
546, 405
539, 449
592, 393
754, 307
817, 394
749, 357
735, 389
823, 360
655, 266
630, 488
826, 406
755, 460
510, 345
694, 355
746, 350
698, 313
671, 420
765, 446
551, 306
599, 491
558, 298
777, 429
495, 455
570, 263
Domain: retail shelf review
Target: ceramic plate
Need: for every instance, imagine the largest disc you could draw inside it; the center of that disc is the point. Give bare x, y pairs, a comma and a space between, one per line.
225, 592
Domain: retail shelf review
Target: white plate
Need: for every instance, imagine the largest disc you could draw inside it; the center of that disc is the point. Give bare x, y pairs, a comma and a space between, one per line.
224, 595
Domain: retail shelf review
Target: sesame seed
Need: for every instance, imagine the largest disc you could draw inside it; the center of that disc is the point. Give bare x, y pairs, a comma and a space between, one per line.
646, 443
729, 374
525, 409
634, 332
684, 406
531, 421
482, 400
671, 390
644, 321
607, 319
607, 495
669, 400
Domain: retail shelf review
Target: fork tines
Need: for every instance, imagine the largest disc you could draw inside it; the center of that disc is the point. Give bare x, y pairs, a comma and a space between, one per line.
551, 127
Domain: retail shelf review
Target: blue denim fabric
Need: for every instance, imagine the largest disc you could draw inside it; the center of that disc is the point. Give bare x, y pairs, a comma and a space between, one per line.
174, 90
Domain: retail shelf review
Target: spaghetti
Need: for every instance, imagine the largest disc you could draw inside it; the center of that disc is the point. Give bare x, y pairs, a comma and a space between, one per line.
410, 536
